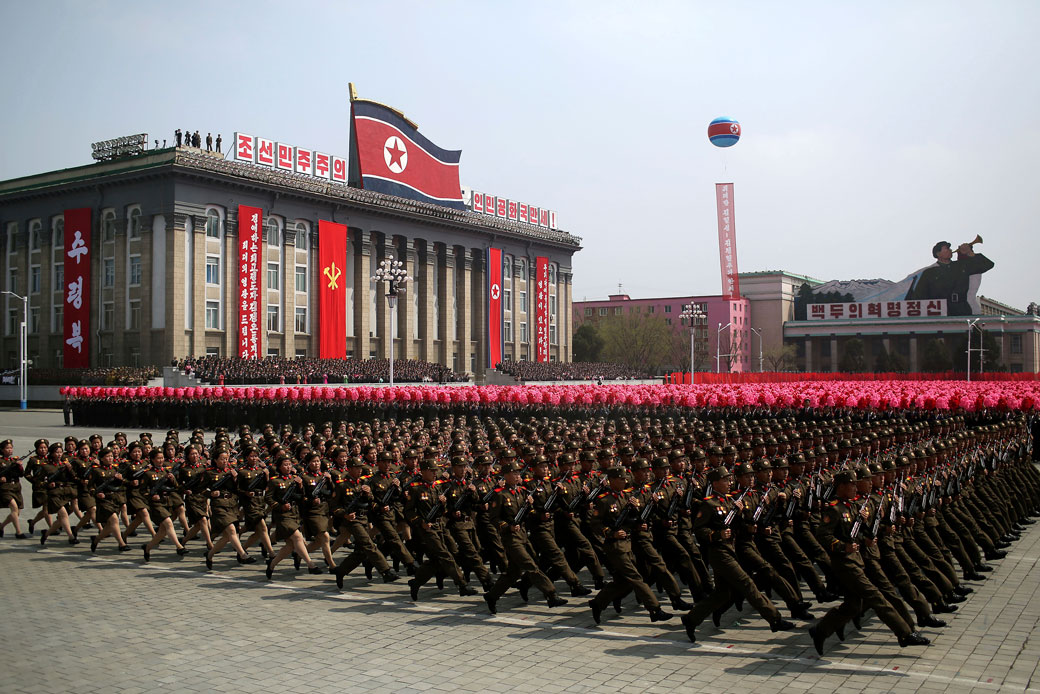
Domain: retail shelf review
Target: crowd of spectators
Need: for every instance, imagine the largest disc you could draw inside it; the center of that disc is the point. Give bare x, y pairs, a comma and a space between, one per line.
111, 376
569, 371
301, 370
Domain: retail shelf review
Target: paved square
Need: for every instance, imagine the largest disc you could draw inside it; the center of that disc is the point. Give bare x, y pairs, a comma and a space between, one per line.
70, 621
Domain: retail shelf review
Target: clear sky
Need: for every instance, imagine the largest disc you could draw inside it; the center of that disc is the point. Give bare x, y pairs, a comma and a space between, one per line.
871, 129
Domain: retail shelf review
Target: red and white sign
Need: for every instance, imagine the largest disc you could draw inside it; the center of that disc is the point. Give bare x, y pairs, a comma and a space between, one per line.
339, 169
727, 240
264, 152
513, 210
878, 309
283, 156
542, 313
76, 313
245, 148
286, 157
250, 221
494, 327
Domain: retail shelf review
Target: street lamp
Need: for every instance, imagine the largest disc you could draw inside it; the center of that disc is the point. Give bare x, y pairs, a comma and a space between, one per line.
760, 361
23, 348
393, 272
971, 324
718, 346
693, 314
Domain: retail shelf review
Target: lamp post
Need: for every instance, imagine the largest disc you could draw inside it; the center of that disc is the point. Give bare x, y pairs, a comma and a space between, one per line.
971, 324
693, 314
393, 272
23, 349
760, 358
718, 346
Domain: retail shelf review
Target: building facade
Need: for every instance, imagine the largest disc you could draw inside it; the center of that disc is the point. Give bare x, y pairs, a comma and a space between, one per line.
165, 278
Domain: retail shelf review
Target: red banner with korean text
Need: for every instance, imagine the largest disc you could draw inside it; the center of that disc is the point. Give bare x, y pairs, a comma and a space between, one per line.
542, 314
494, 313
76, 311
727, 240
250, 222
332, 296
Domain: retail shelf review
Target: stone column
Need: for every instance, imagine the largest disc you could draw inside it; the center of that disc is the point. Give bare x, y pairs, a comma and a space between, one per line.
386, 249
405, 311
176, 339
915, 365
464, 277
808, 354
120, 292
427, 261
834, 354
478, 296
446, 267
289, 292
198, 319
362, 255
565, 317
144, 245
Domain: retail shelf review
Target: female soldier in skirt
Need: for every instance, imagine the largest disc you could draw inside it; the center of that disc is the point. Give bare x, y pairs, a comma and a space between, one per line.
137, 505
83, 465
191, 478
177, 510
223, 505
39, 486
314, 508
251, 499
57, 475
157, 484
107, 485
11, 471
286, 516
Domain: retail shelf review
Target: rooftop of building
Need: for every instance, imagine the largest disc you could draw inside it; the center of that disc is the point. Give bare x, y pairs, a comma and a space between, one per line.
202, 162
785, 273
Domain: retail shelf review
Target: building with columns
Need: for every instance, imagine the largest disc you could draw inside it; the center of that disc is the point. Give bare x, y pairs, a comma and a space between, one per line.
164, 276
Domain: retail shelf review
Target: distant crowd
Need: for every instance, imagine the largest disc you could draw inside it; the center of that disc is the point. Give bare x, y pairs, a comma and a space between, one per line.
303, 370
569, 371
112, 376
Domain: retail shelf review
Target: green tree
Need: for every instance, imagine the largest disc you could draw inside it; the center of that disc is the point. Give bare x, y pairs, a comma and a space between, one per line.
640, 341
936, 357
588, 343
883, 363
852, 358
780, 358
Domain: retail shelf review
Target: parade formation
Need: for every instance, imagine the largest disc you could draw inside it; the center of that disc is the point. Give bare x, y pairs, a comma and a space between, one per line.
694, 510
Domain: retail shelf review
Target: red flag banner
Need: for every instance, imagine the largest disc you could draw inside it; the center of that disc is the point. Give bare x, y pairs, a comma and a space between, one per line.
332, 295
494, 314
542, 315
727, 240
250, 221
76, 312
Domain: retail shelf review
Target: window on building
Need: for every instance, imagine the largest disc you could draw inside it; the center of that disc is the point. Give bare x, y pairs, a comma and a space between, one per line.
273, 323
301, 236
667, 321
507, 331
59, 278
507, 299
34, 279
1016, 344
272, 233
603, 310
272, 276
507, 267
301, 354
522, 296
59, 233
213, 315
523, 332
135, 357
56, 318
213, 224
35, 236
108, 226
12, 279
301, 278
667, 309
272, 351
109, 272
59, 357
212, 269
12, 323
134, 230
34, 319
301, 320
552, 333
521, 267
618, 310
588, 311
135, 315
213, 351
135, 270
552, 274
650, 309
108, 312
552, 305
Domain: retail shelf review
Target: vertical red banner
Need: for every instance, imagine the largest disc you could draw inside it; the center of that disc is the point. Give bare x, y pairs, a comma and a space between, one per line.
250, 222
727, 240
76, 312
332, 296
494, 313
542, 315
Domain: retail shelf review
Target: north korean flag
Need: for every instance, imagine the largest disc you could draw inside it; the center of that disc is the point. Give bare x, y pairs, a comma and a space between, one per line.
394, 158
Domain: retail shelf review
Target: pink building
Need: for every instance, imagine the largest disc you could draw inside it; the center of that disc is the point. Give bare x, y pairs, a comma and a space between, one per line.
736, 339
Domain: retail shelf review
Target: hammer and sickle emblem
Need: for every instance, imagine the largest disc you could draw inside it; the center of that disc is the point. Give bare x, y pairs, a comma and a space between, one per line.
333, 273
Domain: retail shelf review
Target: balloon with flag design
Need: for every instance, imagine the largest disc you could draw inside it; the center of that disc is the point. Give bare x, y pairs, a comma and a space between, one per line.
724, 132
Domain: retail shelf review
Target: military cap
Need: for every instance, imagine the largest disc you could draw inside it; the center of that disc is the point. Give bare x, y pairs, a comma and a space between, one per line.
429, 464
355, 462
603, 454
697, 454
508, 454
718, 473
716, 450
797, 459
729, 449
761, 464
863, 472
660, 462
566, 458
511, 467
459, 460
902, 461
627, 450
876, 468
780, 462
888, 464
615, 471
844, 477
589, 456
676, 454
743, 469
640, 464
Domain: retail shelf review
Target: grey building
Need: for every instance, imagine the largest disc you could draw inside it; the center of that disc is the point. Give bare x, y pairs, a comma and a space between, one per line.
164, 276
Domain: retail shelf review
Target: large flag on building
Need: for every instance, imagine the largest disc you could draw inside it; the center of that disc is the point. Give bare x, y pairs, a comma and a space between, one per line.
76, 311
494, 313
390, 156
332, 296
541, 335
727, 240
